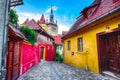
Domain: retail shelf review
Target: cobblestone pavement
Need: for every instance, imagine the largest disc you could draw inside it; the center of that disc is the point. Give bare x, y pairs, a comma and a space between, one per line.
59, 71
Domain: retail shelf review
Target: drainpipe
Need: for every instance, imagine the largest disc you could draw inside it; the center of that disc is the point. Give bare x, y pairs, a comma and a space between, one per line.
86, 66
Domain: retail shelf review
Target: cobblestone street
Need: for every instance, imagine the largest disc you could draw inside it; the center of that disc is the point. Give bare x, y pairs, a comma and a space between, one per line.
59, 71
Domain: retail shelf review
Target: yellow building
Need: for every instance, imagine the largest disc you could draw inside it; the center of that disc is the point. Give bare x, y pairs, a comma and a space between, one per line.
93, 41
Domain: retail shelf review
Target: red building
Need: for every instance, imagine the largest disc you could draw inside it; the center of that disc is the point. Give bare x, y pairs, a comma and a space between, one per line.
15, 38
44, 41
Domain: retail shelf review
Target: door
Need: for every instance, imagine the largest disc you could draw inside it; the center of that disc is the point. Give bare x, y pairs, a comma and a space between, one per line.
13, 60
113, 51
41, 52
9, 61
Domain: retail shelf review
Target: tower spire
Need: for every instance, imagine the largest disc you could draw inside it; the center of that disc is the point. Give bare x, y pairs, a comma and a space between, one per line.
51, 15
42, 19
51, 9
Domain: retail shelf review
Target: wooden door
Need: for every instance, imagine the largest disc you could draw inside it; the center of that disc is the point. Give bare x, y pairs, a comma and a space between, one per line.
16, 61
9, 61
41, 52
113, 52
13, 60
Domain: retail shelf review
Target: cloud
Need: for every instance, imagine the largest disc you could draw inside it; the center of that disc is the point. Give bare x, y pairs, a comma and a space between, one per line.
49, 9
63, 27
24, 15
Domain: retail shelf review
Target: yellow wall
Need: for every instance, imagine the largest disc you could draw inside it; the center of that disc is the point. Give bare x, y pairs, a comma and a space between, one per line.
80, 59
45, 27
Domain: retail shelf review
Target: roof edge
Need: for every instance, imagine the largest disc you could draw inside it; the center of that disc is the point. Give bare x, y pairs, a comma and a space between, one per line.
98, 18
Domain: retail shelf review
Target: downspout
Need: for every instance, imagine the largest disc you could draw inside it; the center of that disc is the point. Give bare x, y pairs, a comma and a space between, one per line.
86, 66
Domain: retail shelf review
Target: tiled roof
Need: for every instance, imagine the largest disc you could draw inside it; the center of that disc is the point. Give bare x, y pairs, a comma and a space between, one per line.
42, 19
64, 32
26, 21
57, 39
103, 9
75, 25
16, 31
34, 25
95, 3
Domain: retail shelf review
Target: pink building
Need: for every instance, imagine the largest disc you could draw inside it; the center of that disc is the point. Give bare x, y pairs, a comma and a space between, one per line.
44, 41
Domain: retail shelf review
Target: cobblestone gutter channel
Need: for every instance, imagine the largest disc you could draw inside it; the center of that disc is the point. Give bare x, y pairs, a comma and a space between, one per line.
59, 71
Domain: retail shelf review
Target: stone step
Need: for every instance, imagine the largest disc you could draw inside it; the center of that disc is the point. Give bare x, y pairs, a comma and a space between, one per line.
113, 75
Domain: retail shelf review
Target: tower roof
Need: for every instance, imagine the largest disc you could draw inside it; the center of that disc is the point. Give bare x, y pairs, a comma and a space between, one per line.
51, 15
42, 19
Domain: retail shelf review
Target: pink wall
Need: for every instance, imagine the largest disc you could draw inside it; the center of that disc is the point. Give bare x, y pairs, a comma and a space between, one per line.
50, 54
29, 57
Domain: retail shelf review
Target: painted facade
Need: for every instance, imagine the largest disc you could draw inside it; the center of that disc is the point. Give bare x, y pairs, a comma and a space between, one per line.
29, 56
102, 16
43, 38
47, 52
13, 58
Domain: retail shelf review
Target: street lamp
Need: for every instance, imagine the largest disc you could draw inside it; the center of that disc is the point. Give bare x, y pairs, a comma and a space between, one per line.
15, 2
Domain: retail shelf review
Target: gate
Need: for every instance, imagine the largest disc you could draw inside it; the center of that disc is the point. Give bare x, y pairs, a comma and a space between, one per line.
13, 60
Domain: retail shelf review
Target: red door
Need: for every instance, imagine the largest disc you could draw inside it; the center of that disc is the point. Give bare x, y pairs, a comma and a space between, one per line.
113, 51
13, 60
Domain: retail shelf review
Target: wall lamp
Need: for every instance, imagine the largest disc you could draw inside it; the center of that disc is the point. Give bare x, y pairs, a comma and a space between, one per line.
107, 28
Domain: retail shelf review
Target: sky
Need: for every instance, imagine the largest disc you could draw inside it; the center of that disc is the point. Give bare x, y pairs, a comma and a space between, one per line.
65, 11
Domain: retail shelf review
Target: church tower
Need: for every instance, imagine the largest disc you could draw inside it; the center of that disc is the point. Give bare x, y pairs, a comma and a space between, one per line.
53, 27
43, 24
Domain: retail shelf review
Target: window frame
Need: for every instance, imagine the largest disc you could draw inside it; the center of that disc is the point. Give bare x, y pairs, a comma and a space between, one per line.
80, 44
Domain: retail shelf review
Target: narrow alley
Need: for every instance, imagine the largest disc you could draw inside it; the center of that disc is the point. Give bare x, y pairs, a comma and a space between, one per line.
59, 71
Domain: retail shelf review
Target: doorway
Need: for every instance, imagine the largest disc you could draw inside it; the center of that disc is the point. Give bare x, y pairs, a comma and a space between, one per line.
13, 60
42, 52
109, 51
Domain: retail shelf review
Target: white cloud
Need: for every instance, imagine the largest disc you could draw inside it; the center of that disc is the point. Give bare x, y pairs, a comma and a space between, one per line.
63, 27
49, 9
24, 15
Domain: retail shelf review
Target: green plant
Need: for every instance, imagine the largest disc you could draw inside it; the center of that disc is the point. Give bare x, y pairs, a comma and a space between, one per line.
13, 17
29, 34
58, 56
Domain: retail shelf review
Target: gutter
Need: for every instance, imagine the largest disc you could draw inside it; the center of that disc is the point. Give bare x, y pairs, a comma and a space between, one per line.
98, 18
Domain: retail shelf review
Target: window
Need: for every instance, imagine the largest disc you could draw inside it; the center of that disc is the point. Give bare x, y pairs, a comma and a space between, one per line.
68, 45
80, 44
91, 11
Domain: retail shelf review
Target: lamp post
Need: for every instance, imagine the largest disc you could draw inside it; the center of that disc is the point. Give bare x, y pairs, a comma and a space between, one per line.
4, 19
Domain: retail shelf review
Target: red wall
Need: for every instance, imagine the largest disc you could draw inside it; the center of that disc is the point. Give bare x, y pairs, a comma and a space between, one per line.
30, 55
49, 51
